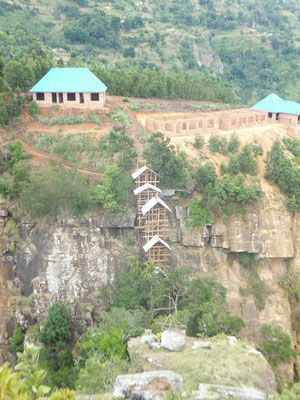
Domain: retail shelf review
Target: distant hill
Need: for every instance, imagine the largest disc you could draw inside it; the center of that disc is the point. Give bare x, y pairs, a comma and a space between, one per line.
252, 45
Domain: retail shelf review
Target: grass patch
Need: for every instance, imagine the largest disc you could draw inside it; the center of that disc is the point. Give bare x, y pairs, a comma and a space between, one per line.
70, 147
232, 366
66, 120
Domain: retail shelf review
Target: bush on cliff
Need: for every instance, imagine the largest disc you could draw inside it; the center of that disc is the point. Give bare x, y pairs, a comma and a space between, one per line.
276, 345
163, 158
111, 193
209, 315
55, 356
282, 172
226, 195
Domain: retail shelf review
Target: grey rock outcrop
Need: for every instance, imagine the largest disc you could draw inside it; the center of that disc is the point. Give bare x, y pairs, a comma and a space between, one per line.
150, 385
149, 339
172, 341
3, 211
206, 392
201, 345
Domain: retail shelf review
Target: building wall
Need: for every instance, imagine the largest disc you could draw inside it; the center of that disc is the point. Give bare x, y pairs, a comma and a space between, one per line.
206, 122
88, 103
289, 119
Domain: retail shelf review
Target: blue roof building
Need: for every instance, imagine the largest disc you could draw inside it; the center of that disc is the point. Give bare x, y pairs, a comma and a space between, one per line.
70, 87
284, 111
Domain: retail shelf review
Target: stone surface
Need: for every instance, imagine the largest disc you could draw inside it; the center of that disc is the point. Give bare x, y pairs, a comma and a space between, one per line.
256, 353
76, 258
3, 211
147, 385
201, 345
207, 391
172, 341
149, 339
232, 340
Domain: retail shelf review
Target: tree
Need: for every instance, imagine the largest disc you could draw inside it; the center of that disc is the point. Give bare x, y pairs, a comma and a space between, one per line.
131, 290
17, 152
276, 345
56, 327
34, 108
55, 355
129, 52
162, 157
111, 192
18, 75
206, 174
209, 315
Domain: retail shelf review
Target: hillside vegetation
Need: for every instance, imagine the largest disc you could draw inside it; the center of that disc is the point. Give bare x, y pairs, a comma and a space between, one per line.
251, 45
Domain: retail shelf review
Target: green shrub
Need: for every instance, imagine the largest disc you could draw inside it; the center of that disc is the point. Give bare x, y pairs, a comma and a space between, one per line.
291, 283
198, 142
97, 377
206, 174
218, 145
291, 392
55, 356
226, 196
34, 108
66, 120
121, 119
17, 152
246, 259
95, 118
111, 192
281, 171
293, 145
247, 163
56, 327
258, 288
131, 290
162, 157
276, 345
208, 310
233, 144
16, 342
199, 213
118, 146
51, 191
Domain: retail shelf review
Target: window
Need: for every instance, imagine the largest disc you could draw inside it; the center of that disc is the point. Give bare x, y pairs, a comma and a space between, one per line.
61, 97
269, 115
71, 96
81, 98
40, 96
54, 98
277, 116
94, 96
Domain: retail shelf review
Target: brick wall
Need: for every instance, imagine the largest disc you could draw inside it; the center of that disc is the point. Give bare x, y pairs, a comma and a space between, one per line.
207, 122
87, 104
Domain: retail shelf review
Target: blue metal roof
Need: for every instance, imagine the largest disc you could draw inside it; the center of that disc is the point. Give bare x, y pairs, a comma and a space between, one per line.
276, 104
71, 80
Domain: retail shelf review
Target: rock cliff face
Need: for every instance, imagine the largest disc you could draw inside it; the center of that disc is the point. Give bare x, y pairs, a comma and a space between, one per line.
74, 259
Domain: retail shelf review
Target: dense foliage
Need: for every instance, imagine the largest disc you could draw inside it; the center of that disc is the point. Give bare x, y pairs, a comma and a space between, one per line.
49, 191
281, 171
276, 345
163, 158
224, 195
55, 355
111, 193
140, 82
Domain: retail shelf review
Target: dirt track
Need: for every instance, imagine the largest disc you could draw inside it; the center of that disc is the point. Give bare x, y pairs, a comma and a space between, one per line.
42, 157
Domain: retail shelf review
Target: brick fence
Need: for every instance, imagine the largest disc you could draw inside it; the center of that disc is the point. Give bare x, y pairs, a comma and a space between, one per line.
181, 125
